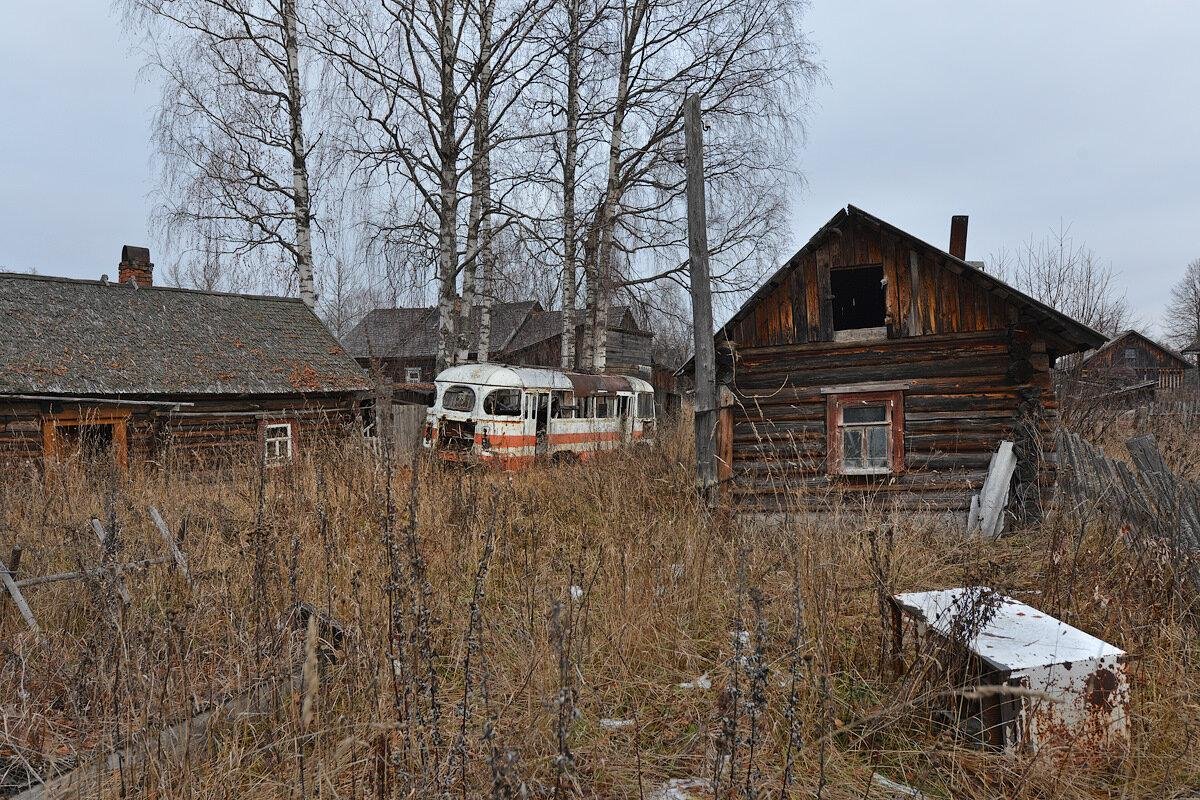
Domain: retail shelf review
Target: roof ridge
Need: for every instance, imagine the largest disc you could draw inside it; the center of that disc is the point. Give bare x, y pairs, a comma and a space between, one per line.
151, 288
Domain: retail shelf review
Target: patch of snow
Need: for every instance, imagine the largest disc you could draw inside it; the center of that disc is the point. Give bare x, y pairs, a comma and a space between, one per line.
576, 593
681, 789
703, 682
616, 724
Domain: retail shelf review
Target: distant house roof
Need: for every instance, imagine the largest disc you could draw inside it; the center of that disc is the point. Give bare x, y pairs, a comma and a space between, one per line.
542, 325
1131, 335
1194, 347
413, 332
60, 336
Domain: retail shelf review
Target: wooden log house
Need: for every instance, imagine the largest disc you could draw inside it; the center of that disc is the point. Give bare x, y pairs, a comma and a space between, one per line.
128, 372
1133, 365
875, 364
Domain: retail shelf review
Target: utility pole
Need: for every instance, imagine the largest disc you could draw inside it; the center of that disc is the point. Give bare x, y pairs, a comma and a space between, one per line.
702, 320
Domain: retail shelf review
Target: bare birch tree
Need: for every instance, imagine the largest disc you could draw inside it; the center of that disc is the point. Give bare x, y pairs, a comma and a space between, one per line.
422, 78
751, 66
1181, 322
1068, 277
230, 132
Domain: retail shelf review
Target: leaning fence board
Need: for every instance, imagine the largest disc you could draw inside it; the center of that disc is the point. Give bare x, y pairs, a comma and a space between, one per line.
180, 557
117, 575
18, 599
988, 516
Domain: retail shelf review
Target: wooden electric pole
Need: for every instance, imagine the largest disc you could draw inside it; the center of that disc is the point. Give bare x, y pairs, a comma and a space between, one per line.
702, 319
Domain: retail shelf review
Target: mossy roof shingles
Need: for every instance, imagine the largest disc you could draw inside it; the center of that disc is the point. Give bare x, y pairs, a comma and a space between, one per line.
60, 336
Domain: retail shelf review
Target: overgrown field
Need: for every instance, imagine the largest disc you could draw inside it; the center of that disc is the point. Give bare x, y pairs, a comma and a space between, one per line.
579, 631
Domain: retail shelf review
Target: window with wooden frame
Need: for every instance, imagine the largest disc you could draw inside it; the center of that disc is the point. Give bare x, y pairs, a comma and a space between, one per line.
278, 442
865, 433
90, 434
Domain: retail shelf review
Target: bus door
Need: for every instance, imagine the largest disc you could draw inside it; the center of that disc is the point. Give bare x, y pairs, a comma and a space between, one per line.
537, 420
625, 413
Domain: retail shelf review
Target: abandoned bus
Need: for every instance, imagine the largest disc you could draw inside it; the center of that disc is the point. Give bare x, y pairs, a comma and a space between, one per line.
508, 416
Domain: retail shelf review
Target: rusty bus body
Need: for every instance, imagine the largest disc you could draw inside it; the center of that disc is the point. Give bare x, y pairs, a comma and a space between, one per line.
508, 416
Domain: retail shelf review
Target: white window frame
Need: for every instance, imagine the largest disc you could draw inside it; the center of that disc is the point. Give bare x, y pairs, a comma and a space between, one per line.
271, 436
409, 374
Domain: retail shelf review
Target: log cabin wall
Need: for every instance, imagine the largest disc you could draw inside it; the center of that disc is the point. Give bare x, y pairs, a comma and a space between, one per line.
958, 361
210, 433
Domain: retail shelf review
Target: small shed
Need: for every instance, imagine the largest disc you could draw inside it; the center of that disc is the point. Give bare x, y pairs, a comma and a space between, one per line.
1038, 681
1131, 361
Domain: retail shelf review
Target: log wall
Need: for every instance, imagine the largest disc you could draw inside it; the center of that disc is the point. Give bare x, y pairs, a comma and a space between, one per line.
208, 433
964, 394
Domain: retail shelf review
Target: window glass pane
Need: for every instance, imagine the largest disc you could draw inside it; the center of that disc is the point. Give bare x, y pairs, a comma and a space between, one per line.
458, 398
852, 415
852, 448
877, 446
503, 403
646, 405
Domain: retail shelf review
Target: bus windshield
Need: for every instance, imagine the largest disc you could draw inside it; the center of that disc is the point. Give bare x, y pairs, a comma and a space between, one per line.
458, 398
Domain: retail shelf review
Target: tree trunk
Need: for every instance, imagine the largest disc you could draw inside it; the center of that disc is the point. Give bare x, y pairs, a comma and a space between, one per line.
301, 197
607, 216
448, 193
483, 159
570, 156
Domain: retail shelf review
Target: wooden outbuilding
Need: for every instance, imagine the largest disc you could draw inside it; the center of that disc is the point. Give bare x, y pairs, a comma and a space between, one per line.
1132, 363
875, 364
128, 372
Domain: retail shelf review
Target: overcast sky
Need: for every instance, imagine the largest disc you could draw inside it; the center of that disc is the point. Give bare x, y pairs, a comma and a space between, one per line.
1017, 113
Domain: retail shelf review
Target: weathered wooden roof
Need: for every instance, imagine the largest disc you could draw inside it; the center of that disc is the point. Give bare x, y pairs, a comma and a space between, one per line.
1063, 327
60, 336
542, 325
1131, 334
413, 332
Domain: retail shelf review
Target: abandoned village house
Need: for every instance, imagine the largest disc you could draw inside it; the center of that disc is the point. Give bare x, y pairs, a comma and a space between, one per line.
1133, 368
403, 341
872, 362
138, 373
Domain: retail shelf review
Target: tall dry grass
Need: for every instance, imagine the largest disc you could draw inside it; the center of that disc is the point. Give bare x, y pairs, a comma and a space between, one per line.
579, 631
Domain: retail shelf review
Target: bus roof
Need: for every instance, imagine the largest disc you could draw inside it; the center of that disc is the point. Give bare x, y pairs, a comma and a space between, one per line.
540, 378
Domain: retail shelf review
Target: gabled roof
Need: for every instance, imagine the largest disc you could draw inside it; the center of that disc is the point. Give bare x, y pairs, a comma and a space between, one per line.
1194, 347
1131, 334
60, 336
1069, 330
413, 332
542, 325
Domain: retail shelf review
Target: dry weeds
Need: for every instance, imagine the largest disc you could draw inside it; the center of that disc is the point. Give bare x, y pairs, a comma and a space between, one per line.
492, 622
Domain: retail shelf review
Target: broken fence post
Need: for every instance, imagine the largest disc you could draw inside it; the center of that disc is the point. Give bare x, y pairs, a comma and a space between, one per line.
118, 574
9, 581
180, 557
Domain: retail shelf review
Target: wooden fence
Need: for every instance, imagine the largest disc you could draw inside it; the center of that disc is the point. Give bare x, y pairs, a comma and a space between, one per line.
1159, 510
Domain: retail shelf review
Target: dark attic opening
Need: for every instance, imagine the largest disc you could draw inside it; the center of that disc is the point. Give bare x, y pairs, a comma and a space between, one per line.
859, 298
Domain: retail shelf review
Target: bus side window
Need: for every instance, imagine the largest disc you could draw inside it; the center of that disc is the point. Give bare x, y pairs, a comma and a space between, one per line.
622, 406
562, 405
645, 405
601, 406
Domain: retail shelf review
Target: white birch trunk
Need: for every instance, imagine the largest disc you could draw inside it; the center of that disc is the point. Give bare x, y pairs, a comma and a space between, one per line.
570, 156
483, 170
301, 198
448, 193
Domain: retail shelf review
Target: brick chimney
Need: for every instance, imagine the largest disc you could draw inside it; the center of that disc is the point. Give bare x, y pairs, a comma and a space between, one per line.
135, 264
958, 236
